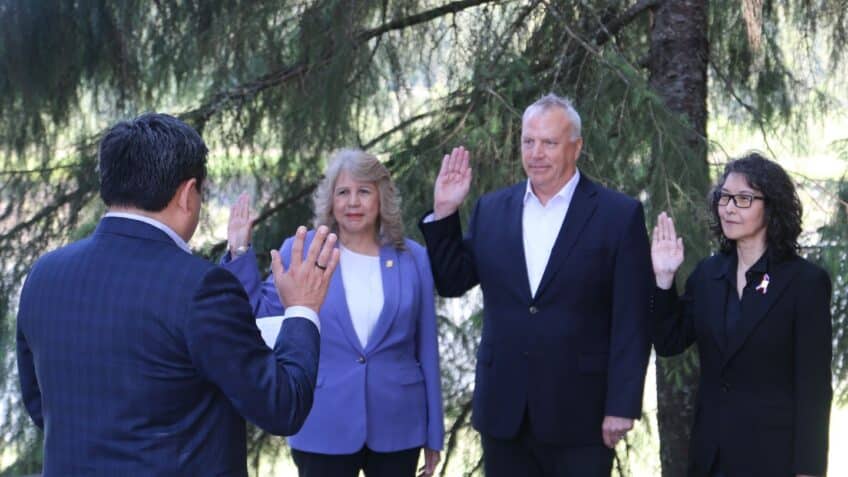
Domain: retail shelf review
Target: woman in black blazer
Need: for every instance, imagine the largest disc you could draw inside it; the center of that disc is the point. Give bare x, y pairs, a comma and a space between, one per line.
761, 317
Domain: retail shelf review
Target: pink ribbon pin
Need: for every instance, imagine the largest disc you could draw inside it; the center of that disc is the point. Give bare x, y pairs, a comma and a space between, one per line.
763, 286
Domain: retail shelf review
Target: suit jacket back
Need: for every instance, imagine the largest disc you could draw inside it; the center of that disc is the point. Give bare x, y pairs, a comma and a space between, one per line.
138, 358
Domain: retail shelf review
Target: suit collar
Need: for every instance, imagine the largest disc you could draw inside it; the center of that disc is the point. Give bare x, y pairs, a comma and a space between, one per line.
565, 193
581, 209
756, 306
155, 223
513, 239
761, 266
343, 312
718, 295
392, 286
727, 267
724, 262
120, 224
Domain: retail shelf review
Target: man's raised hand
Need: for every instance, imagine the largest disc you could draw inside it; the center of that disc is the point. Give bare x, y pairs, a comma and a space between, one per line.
306, 281
452, 184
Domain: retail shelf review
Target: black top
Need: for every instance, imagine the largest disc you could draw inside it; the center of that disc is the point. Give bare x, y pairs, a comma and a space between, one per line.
754, 284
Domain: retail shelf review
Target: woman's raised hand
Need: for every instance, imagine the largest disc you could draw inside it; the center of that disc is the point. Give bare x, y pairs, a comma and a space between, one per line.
666, 251
240, 225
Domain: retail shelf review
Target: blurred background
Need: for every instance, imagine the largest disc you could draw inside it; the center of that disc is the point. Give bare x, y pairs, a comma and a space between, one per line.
668, 90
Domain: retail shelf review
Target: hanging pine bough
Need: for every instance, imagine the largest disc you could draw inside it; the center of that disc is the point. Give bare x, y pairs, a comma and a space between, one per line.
274, 87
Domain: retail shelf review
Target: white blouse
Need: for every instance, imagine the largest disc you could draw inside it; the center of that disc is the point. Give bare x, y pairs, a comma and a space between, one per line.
363, 285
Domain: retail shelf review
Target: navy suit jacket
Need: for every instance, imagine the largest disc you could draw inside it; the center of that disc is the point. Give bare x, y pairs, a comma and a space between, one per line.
577, 350
387, 395
765, 389
139, 359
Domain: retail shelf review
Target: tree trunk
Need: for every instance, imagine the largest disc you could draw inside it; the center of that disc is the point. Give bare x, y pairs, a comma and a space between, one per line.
678, 73
678, 64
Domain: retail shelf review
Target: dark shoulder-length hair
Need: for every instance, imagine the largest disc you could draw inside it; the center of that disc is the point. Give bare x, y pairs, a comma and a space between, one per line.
783, 209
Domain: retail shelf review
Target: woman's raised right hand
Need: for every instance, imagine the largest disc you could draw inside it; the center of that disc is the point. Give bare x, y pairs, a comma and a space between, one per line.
240, 225
666, 251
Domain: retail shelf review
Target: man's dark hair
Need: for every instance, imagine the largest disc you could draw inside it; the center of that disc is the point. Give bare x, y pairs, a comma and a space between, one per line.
143, 161
783, 209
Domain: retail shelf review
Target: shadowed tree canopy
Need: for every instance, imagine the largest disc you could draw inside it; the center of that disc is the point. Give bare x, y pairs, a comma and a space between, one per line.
276, 86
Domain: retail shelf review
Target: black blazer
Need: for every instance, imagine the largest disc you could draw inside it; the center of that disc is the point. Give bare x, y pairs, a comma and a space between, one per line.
576, 351
765, 390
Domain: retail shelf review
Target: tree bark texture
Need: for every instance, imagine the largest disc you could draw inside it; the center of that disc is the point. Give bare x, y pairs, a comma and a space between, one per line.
679, 53
678, 64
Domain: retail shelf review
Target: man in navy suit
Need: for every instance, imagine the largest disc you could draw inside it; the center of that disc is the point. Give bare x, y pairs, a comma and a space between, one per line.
137, 358
565, 269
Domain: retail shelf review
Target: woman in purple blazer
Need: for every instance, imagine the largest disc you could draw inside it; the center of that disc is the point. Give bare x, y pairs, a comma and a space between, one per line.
378, 397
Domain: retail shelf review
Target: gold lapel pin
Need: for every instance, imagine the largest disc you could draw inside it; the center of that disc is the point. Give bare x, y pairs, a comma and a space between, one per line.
390, 263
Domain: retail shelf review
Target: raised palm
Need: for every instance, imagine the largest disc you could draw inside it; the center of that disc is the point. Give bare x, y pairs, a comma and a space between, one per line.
240, 224
666, 251
453, 183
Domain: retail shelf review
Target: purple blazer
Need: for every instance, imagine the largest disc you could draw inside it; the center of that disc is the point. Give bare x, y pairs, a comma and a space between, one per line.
386, 396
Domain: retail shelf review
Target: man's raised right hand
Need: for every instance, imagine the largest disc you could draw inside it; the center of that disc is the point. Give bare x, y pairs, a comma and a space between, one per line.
306, 281
452, 184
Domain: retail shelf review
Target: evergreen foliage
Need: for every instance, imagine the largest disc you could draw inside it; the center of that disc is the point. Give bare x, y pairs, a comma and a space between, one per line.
276, 86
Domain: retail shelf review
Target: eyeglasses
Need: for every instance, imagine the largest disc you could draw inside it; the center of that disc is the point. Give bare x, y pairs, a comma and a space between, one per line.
743, 201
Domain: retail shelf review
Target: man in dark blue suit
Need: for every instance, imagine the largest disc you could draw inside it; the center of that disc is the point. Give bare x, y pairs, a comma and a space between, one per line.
138, 358
565, 269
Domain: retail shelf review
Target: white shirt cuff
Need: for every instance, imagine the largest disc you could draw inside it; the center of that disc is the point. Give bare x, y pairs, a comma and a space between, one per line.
431, 217
303, 312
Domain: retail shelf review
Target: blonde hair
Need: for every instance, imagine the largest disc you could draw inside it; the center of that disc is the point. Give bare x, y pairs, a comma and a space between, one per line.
363, 167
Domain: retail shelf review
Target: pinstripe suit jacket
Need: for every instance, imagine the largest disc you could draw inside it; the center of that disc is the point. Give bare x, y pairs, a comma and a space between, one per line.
137, 358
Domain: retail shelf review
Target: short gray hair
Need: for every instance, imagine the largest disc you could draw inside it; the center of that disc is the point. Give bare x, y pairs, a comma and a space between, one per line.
551, 100
363, 167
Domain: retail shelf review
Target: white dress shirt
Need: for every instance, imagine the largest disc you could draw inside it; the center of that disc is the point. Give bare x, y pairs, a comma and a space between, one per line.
291, 311
540, 227
363, 285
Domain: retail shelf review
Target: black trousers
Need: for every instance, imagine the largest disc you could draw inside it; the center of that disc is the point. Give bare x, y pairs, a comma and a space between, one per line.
524, 455
374, 464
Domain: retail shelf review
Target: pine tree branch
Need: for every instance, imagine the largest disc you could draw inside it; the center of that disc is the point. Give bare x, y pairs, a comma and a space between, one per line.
611, 28
519, 22
453, 433
13, 172
245, 91
755, 113
602, 34
423, 17
401, 126
48, 210
406, 123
